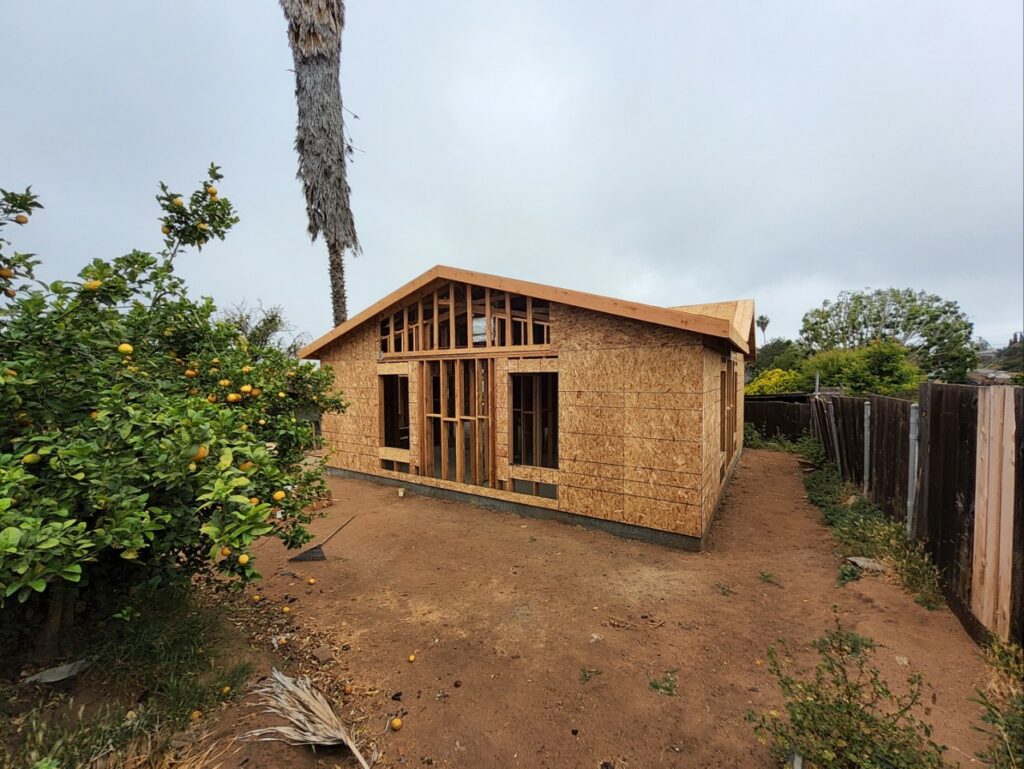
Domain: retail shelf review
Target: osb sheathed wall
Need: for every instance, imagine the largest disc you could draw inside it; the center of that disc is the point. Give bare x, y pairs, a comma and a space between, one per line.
353, 438
638, 419
713, 456
629, 420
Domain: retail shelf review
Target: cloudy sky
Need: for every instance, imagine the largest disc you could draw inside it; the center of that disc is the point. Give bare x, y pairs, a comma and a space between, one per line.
667, 152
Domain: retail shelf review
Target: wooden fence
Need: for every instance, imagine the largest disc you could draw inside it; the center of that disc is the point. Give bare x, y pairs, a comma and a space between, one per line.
949, 468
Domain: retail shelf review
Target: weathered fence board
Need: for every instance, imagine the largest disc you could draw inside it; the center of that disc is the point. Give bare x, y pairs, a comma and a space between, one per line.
772, 418
1017, 567
947, 485
889, 455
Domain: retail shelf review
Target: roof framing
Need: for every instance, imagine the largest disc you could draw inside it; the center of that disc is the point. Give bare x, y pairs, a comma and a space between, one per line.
700, 321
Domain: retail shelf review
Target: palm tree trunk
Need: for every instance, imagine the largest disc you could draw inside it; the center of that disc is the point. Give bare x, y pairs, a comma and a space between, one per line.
336, 267
314, 33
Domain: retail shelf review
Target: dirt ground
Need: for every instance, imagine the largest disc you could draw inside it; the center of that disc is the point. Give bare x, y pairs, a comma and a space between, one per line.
504, 614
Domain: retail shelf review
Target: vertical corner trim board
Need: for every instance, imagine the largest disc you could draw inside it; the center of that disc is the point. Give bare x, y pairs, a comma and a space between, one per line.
991, 583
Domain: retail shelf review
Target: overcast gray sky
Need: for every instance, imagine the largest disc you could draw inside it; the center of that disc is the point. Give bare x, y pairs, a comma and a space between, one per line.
665, 152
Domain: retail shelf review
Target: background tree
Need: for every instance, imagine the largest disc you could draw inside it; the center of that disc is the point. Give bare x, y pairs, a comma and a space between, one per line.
935, 331
314, 33
265, 327
881, 368
762, 323
779, 353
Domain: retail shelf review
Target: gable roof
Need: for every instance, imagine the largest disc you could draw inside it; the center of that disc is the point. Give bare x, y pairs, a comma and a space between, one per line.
723, 320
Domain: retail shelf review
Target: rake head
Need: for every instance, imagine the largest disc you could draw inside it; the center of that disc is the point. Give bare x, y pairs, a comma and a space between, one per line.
315, 553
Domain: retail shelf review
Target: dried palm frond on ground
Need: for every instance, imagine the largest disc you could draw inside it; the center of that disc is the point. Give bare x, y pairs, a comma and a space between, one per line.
314, 721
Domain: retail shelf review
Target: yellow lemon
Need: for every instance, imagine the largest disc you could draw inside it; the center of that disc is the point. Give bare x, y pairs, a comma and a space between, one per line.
178, 202
6, 272
279, 495
246, 369
243, 559
233, 398
224, 382
211, 191
225, 551
165, 230
21, 219
246, 388
92, 285
396, 724
31, 459
125, 349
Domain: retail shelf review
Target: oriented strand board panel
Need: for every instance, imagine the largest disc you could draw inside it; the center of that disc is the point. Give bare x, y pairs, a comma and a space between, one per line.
352, 437
630, 406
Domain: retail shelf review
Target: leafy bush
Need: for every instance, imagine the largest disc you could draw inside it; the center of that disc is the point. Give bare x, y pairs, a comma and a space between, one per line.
846, 716
140, 439
880, 368
1003, 703
774, 381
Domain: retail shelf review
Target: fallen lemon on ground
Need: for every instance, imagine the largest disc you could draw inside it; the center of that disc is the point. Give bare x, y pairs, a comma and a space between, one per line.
243, 559
211, 398
225, 690
233, 398
311, 581
256, 597
125, 348
224, 382
191, 373
279, 495
396, 724
246, 388
196, 715
225, 551
286, 609
412, 658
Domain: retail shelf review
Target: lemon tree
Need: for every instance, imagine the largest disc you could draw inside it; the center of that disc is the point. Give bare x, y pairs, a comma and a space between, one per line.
141, 439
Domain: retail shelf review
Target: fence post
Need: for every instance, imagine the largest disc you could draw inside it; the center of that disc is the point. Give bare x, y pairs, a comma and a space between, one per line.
835, 435
867, 444
912, 471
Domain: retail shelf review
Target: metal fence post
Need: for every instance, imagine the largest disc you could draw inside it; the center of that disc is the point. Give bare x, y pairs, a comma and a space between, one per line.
867, 444
835, 435
912, 471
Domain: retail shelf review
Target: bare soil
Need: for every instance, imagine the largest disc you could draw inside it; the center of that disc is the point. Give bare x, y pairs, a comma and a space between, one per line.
535, 642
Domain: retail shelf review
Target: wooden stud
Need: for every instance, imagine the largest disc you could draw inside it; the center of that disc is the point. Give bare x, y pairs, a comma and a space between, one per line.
528, 336
436, 341
460, 451
487, 318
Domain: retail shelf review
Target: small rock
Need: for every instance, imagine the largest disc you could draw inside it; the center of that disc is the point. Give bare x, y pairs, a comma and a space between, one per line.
323, 655
902, 661
595, 637
397, 696
867, 564
457, 684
